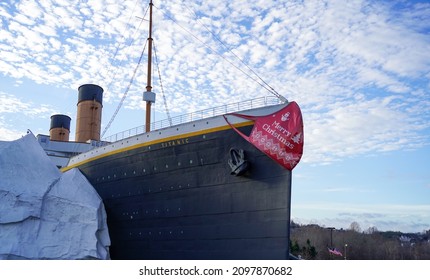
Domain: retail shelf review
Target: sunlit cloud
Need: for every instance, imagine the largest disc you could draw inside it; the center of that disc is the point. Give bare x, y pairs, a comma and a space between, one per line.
358, 69
406, 218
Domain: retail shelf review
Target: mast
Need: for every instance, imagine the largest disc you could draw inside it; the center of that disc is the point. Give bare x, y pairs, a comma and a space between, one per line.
149, 96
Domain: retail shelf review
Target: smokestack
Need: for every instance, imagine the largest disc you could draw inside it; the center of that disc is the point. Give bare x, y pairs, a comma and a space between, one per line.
60, 128
89, 116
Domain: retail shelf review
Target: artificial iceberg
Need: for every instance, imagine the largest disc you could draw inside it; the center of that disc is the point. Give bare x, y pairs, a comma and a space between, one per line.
46, 214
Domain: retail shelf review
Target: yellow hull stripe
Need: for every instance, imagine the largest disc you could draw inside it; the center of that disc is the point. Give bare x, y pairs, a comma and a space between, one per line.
191, 134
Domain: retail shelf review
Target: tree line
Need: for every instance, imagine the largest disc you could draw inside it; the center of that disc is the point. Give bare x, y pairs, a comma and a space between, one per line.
314, 242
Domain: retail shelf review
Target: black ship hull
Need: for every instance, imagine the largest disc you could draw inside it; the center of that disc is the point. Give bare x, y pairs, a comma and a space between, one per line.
176, 198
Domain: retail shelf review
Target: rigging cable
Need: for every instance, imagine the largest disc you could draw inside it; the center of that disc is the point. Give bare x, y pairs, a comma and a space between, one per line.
131, 80
272, 90
119, 45
125, 93
263, 84
113, 59
161, 86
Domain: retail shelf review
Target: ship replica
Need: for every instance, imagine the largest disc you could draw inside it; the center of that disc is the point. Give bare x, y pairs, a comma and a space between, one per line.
216, 187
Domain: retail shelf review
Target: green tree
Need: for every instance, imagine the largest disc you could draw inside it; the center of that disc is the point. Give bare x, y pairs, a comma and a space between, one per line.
309, 251
294, 248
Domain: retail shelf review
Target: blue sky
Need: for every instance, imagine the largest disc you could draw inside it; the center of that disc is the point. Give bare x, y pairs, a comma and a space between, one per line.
360, 71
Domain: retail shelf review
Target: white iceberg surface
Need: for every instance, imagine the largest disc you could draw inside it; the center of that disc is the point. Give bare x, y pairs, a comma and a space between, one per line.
46, 214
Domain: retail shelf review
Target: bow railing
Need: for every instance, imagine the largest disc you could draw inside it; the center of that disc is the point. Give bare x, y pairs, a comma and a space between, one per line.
198, 115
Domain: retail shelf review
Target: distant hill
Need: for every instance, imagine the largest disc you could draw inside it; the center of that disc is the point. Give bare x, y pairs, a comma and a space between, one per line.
322, 243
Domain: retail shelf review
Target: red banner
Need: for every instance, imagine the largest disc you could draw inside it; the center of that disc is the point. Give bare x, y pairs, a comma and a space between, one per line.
278, 135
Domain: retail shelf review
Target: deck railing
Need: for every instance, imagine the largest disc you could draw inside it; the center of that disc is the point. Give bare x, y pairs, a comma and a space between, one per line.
202, 114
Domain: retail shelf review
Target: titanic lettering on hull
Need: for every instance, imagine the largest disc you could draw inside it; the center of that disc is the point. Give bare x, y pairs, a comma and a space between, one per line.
175, 142
278, 135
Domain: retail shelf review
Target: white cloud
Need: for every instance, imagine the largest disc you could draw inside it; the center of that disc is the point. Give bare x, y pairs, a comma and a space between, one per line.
357, 68
352, 127
405, 218
18, 115
12, 104
30, 9
8, 133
